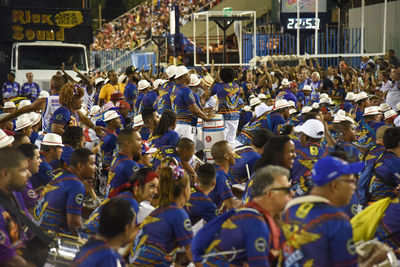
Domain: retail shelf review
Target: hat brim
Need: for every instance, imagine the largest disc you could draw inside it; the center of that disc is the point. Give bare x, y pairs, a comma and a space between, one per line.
196, 83
9, 140
372, 114
181, 74
48, 143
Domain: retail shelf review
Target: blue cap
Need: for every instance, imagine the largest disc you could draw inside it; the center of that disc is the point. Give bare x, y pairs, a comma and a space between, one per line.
347, 106
330, 168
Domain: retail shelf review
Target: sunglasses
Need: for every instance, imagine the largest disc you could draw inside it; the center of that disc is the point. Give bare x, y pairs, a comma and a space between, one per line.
287, 190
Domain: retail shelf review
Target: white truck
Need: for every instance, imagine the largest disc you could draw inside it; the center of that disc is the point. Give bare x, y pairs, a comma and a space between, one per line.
44, 59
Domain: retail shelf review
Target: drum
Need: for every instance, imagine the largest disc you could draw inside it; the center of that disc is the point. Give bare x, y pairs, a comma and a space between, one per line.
213, 131
199, 136
64, 250
207, 155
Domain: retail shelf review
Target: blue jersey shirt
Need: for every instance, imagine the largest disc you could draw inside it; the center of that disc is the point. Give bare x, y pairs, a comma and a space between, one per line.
307, 156
108, 145
63, 195
138, 106
237, 173
13, 236
372, 154
43, 177
145, 133
162, 153
64, 116
163, 230
92, 223
246, 235
12, 88
164, 100
273, 122
386, 177
181, 98
288, 95
353, 153
245, 137
130, 92
317, 234
222, 189
97, 253
388, 230
228, 100
366, 134
149, 100
122, 167
170, 138
30, 89
200, 206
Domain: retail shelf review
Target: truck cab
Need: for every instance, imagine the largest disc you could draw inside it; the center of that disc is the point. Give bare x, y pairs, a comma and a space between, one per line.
44, 59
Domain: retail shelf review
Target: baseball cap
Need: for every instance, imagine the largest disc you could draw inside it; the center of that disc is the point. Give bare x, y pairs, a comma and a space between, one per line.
130, 70
312, 128
328, 169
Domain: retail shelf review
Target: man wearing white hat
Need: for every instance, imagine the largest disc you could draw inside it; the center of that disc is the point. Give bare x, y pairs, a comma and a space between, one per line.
389, 117
362, 101
367, 128
9, 107
24, 125
150, 99
228, 103
288, 92
164, 100
50, 150
143, 87
304, 95
345, 128
184, 105
109, 139
308, 150
276, 120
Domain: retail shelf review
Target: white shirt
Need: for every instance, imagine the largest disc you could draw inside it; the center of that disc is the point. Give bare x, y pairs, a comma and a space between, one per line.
393, 95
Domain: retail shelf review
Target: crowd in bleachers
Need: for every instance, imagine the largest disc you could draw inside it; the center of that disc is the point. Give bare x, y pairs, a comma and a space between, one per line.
134, 28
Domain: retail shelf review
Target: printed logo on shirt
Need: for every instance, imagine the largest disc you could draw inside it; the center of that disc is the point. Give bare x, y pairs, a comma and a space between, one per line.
2, 237
188, 225
32, 194
313, 150
260, 244
227, 183
50, 173
351, 248
79, 199
59, 117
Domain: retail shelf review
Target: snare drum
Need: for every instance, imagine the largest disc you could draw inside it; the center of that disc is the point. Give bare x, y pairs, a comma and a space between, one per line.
64, 250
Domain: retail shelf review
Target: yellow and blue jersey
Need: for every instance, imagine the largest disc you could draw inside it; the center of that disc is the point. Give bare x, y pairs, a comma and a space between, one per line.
149, 100
228, 100
122, 167
162, 232
366, 134
307, 156
63, 195
64, 116
273, 122
222, 189
200, 206
242, 238
30, 89
108, 145
43, 176
162, 153
164, 100
130, 93
98, 253
246, 155
170, 138
181, 98
317, 234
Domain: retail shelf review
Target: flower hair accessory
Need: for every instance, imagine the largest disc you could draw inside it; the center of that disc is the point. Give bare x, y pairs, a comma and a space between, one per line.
178, 171
76, 86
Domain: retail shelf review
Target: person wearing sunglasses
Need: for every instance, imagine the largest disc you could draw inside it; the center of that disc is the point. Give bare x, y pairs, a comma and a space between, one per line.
250, 235
315, 229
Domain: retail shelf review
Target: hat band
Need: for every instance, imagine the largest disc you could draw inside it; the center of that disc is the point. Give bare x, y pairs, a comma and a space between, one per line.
24, 126
50, 142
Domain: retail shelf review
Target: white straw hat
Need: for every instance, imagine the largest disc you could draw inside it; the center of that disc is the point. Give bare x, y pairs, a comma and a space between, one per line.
9, 104
138, 121
180, 71
52, 139
194, 80
24, 103
170, 71
373, 110
110, 115
143, 84
5, 140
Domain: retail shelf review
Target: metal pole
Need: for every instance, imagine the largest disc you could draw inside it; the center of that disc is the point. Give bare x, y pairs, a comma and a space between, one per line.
362, 25
207, 41
339, 32
298, 28
224, 51
194, 39
254, 35
384, 27
240, 46
99, 16
316, 28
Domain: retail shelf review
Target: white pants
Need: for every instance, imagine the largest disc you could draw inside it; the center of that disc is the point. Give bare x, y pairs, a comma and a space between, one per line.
230, 131
185, 130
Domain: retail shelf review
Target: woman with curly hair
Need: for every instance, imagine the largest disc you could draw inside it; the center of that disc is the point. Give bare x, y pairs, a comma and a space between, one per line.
68, 114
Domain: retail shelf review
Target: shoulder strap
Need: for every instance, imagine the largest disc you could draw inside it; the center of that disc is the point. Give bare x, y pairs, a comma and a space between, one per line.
13, 210
367, 127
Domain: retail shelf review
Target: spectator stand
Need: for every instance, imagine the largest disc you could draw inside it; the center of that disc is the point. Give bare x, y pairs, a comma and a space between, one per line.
224, 19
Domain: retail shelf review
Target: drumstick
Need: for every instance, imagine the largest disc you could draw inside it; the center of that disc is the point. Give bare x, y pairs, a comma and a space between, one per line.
248, 171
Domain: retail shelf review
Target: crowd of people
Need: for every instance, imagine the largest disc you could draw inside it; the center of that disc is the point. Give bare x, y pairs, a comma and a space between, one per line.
133, 29
269, 166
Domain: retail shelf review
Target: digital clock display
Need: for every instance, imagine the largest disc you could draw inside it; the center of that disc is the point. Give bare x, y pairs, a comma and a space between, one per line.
302, 23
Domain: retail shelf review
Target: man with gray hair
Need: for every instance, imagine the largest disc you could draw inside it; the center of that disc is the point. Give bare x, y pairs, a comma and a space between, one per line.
248, 235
